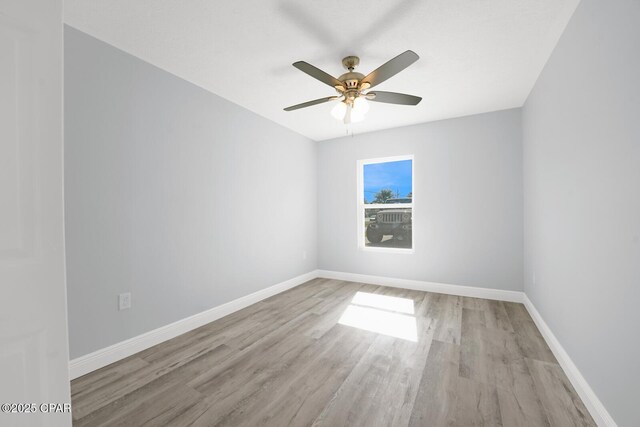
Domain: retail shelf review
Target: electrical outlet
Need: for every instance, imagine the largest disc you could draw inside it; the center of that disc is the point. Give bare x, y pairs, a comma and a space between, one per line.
304, 254
124, 301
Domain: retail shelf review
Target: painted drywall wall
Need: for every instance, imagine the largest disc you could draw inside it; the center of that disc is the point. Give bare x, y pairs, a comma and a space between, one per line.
581, 132
468, 201
173, 194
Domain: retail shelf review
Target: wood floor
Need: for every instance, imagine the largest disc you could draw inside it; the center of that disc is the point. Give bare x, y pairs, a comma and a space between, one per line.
289, 361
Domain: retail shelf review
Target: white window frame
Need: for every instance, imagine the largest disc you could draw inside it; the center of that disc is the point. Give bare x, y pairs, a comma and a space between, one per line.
361, 206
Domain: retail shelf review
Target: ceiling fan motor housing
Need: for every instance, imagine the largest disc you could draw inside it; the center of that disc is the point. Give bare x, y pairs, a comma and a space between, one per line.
351, 79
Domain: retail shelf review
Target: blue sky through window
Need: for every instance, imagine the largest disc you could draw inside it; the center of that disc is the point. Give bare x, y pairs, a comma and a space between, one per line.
395, 176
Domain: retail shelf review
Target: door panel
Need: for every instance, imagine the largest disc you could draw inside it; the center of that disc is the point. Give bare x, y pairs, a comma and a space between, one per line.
16, 133
33, 328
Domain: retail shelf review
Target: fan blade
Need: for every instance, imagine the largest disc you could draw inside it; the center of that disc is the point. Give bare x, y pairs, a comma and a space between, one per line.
394, 98
317, 73
310, 103
391, 68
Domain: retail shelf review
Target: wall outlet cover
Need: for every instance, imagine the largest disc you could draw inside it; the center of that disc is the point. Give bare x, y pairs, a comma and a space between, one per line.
124, 301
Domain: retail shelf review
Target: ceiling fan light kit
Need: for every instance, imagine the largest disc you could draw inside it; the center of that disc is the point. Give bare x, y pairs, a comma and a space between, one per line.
351, 87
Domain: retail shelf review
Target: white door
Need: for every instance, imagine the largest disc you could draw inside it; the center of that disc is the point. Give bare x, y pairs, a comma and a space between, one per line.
33, 326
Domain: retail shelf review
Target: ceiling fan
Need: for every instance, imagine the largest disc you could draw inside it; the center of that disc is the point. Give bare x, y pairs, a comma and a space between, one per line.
352, 85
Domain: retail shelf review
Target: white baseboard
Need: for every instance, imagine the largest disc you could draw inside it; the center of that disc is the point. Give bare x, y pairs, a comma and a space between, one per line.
418, 285
597, 410
100, 358
103, 357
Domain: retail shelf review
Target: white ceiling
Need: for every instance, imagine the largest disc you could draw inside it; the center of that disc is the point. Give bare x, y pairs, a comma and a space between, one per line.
475, 55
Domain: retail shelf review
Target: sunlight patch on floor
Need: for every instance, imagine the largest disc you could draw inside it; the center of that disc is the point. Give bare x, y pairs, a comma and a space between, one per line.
401, 305
381, 314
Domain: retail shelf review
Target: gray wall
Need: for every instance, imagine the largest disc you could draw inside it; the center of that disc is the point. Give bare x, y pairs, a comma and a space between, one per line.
582, 198
172, 193
468, 219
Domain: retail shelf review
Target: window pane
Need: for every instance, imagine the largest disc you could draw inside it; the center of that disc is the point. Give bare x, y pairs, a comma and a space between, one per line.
388, 182
388, 228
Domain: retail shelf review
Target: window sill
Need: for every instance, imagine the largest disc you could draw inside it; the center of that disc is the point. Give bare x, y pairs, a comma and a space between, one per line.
405, 251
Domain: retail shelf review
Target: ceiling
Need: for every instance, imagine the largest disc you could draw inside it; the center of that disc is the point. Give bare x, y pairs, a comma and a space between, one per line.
475, 55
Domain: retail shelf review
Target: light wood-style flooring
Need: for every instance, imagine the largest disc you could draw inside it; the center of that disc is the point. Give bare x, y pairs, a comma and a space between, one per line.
289, 361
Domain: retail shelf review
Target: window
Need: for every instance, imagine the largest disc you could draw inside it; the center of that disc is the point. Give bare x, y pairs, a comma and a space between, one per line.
385, 204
